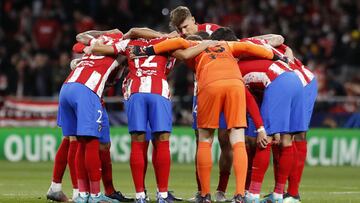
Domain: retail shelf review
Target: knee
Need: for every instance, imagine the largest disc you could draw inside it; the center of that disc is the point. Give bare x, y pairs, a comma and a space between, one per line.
286, 140
299, 137
138, 137
162, 136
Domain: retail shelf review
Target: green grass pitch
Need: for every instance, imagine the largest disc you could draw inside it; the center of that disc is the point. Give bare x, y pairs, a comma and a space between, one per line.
28, 182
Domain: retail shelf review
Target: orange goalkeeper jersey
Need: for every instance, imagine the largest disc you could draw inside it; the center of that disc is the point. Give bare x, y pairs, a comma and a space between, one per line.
216, 62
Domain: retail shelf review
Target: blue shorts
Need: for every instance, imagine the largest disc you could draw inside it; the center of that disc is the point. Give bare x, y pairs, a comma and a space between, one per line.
222, 121
144, 108
283, 106
80, 111
251, 129
148, 133
105, 131
310, 98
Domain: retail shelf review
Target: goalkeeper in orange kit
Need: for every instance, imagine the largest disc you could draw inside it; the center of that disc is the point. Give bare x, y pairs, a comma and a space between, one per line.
220, 88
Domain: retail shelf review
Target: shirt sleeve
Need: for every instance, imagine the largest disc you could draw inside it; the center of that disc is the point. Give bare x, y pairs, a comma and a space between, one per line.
120, 47
253, 109
171, 45
282, 47
238, 48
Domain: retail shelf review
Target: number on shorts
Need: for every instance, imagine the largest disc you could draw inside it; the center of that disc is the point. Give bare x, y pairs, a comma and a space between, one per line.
99, 119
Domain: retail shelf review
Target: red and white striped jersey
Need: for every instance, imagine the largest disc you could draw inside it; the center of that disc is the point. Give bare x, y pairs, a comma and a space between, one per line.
259, 73
93, 70
208, 27
147, 74
303, 72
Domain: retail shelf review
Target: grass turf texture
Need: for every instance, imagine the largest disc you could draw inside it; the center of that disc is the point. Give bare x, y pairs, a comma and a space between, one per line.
29, 182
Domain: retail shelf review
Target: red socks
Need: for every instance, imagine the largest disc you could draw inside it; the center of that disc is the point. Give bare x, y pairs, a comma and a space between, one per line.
88, 166
296, 172
286, 161
153, 160
145, 150
106, 173
71, 162
137, 165
260, 165
162, 165
60, 161
83, 181
93, 164
276, 158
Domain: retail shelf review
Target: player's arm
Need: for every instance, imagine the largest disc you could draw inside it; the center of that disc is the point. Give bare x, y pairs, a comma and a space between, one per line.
144, 32
238, 48
101, 49
86, 37
272, 39
168, 45
253, 109
74, 63
191, 52
148, 33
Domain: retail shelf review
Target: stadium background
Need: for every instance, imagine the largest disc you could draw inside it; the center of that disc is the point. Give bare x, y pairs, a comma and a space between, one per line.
35, 50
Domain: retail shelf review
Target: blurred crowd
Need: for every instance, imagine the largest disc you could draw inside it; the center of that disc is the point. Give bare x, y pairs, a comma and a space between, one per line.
36, 39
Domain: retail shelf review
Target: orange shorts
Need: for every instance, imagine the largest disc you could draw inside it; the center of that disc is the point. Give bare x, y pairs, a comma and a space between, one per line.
226, 96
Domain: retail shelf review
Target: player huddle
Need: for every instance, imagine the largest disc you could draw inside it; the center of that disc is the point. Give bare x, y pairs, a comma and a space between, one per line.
251, 86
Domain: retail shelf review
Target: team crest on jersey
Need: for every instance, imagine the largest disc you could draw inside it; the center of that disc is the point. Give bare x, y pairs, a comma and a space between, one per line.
99, 127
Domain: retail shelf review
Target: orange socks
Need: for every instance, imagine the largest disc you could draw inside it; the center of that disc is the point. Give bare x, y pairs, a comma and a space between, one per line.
240, 163
204, 165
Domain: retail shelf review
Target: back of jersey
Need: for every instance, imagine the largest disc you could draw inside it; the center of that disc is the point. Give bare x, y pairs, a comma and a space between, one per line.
216, 63
94, 70
147, 74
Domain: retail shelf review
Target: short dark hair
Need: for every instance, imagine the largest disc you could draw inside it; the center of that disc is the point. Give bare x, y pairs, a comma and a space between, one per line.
224, 33
178, 15
203, 34
194, 37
